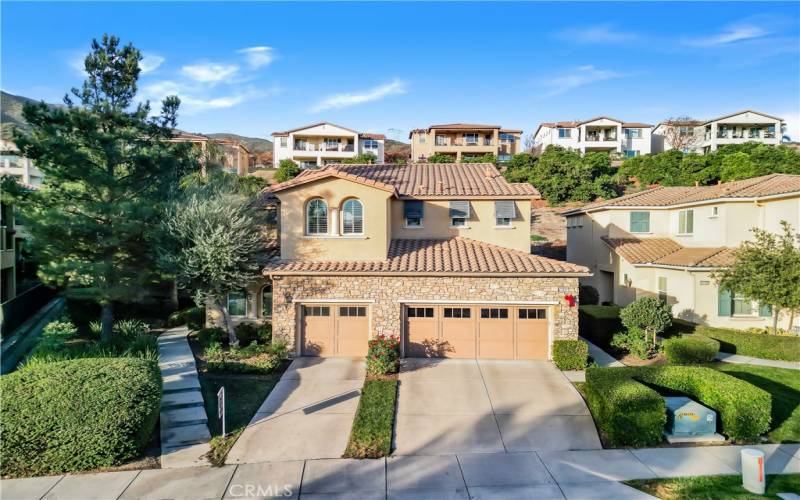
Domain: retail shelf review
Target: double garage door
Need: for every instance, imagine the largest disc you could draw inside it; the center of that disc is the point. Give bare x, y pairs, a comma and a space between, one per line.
334, 329
476, 331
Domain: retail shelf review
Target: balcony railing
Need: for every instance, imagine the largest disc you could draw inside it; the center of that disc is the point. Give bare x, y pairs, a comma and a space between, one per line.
600, 138
324, 147
463, 143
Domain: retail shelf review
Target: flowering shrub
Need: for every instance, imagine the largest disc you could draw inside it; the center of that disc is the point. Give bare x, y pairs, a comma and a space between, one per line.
383, 355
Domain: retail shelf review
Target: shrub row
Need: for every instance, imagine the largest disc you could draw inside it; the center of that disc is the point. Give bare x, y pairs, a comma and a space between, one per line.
255, 358
753, 344
570, 354
77, 415
691, 349
599, 323
632, 414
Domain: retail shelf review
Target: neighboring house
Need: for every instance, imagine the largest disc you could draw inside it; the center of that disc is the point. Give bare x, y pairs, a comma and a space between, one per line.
604, 134
437, 254
666, 241
8, 253
324, 143
17, 166
735, 128
232, 155
461, 140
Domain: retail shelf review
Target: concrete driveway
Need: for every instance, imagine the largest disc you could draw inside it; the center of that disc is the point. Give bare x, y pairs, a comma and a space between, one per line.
308, 415
450, 406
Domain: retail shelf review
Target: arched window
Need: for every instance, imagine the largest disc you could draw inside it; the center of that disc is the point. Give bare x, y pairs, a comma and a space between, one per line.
317, 217
266, 301
352, 217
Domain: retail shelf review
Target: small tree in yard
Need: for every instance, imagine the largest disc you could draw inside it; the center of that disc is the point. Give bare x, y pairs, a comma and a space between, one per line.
648, 314
287, 170
216, 243
767, 269
108, 169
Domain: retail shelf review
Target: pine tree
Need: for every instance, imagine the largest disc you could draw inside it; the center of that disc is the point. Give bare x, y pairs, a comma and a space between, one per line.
108, 170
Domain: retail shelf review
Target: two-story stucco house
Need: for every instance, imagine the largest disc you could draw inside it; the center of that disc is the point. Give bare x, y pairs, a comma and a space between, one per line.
436, 254
705, 137
463, 140
319, 144
598, 134
667, 241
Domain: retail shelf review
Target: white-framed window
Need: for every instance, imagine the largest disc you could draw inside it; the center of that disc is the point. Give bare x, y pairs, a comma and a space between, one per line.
662, 288
471, 139
413, 221
714, 212
284, 142
630, 153
352, 217
564, 133
237, 303
413, 212
503, 157
633, 133
575, 221
507, 137
639, 222
686, 222
684, 131
502, 221
308, 164
332, 144
370, 144
458, 222
317, 217
422, 138
441, 140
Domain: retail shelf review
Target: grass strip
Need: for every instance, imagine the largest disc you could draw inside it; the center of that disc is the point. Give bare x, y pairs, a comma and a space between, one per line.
371, 436
714, 487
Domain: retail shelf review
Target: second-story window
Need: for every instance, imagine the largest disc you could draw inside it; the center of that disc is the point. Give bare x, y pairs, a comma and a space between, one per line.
352, 217
370, 144
564, 133
686, 222
441, 140
633, 133
507, 137
317, 217
640, 222
283, 142
422, 138
459, 213
470, 139
413, 213
504, 212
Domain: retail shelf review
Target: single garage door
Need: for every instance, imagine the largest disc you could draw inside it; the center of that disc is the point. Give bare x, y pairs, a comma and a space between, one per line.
476, 331
334, 330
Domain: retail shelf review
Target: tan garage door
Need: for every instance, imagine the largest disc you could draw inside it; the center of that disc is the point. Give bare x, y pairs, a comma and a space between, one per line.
476, 331
335, 330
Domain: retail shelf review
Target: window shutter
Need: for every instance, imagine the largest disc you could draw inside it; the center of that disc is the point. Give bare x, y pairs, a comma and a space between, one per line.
765, 310
459, 208
690, 221
505, 209
640, 222
412, 209
724, 301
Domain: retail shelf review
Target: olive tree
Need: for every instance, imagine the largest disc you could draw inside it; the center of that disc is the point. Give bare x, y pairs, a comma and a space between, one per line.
649, 314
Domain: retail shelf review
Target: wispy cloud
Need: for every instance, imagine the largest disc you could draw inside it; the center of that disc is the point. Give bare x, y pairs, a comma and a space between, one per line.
578, 77
196, 98
150, 62
603, 33
209, 72
731, 34
338, 101
258, 56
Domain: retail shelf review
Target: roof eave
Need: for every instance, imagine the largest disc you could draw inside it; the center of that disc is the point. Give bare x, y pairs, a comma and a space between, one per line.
268, 272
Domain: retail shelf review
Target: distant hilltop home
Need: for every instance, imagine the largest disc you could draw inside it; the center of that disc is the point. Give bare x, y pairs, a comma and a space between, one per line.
666, 242
695, 136
437, 254
17, 166
603, 133
231, 154
462, 140
324, 143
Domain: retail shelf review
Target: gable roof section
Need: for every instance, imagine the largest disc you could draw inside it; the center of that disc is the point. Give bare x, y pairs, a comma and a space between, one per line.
742, 112
666, 252
599, 118
424, 180
665, 196
442, 257
287, 132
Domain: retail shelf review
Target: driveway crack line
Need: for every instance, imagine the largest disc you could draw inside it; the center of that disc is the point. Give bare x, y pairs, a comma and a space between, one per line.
129, 484
463, 478
491, 405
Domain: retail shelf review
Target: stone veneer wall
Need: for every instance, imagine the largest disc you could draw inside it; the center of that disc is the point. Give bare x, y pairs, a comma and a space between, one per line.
386, 291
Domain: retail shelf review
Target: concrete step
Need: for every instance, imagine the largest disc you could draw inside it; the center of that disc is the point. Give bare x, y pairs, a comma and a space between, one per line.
177, 382
176, 437
183, 398
183, 416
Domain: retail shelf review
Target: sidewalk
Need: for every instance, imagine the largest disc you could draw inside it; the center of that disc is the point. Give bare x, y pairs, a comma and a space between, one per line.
563, 474
747, 360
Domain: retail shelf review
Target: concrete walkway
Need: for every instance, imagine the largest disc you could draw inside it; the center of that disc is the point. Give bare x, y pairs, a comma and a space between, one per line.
559, 474
448, 406
308, 415
184, 423
747, 360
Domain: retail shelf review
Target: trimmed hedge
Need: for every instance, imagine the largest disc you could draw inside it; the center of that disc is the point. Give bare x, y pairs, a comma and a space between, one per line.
570, 354
753, 344
690, 350
599, 323
77, 415
632, 414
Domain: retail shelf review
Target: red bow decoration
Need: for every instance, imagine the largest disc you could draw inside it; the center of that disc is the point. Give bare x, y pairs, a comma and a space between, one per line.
570, 299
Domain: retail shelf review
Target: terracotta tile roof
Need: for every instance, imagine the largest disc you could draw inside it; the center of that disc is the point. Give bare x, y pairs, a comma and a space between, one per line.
463, 126
372, 136
636, 124
421, 180
666, 252
453, 256
663, 196
560, 124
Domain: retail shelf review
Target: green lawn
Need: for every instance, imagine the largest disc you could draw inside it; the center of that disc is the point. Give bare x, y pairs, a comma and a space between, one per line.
714, 487
371, 436
784, 386
538, 237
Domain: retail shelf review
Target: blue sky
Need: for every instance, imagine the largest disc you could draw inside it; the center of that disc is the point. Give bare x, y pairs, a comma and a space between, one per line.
253, 68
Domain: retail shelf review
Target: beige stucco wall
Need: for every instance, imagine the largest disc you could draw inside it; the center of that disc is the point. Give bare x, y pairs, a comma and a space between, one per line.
481, 225
295, 244
386, 294
429, 147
